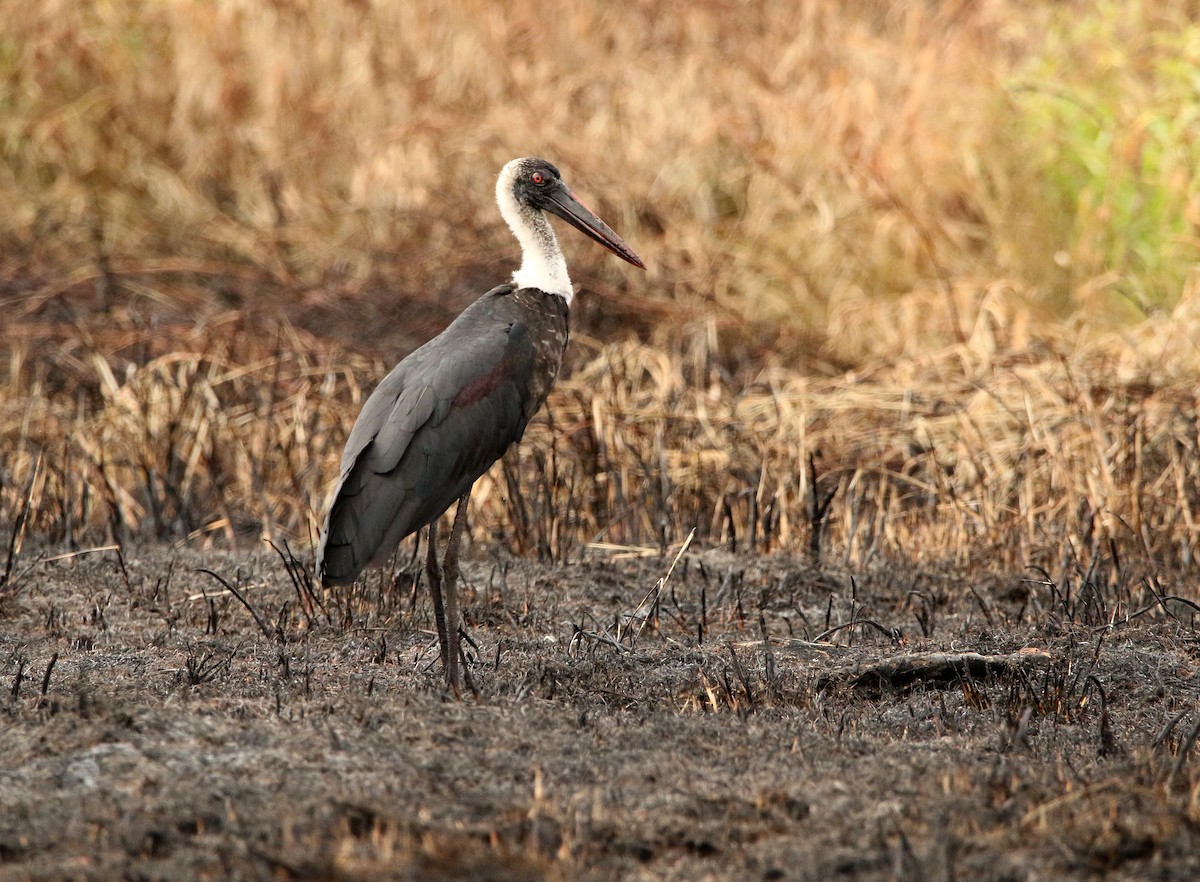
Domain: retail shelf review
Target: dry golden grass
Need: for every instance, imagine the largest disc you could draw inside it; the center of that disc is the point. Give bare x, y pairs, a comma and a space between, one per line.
774, 162
857, 254
991, 453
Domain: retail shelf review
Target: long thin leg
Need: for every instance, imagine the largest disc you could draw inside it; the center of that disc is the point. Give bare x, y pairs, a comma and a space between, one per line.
435, 590
450, 572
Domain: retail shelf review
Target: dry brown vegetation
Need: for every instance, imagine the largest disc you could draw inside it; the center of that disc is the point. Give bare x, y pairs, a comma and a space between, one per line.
921, 287
225, 222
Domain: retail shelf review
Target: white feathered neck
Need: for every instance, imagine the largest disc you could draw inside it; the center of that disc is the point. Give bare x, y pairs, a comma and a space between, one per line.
542, 263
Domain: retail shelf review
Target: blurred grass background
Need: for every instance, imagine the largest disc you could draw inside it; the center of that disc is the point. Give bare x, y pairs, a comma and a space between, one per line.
944, 251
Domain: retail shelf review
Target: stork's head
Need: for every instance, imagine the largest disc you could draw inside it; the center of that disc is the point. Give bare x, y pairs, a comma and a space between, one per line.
532, 184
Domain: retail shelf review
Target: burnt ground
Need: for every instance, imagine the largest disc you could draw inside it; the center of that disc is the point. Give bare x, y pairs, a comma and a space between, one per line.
150, 728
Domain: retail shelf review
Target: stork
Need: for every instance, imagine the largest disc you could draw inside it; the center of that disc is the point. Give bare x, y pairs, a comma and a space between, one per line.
449, 410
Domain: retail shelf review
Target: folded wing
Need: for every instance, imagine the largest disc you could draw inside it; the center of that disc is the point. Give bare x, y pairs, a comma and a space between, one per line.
431, 428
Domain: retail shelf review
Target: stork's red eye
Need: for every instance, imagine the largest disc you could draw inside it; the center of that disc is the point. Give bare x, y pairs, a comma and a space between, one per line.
537, 178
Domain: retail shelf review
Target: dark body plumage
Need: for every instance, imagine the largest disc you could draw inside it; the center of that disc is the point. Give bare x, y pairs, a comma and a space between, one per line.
454, 406
438, 421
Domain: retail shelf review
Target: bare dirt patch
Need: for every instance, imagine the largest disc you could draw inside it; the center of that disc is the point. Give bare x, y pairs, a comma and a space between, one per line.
153, 730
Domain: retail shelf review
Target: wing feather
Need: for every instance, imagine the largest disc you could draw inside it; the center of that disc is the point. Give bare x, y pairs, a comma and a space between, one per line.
426, 434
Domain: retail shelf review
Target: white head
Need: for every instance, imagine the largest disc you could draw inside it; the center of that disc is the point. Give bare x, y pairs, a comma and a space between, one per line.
528, 188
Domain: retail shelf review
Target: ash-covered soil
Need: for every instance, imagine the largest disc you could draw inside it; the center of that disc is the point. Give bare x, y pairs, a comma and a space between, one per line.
750, 720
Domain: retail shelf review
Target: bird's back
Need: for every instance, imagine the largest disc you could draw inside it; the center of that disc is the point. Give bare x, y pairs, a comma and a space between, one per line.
438, 421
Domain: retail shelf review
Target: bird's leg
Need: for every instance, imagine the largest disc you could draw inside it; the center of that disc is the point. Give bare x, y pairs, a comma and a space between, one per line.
450, 573
435, 590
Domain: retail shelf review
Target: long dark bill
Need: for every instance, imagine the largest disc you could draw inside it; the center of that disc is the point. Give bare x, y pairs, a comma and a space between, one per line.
564, 204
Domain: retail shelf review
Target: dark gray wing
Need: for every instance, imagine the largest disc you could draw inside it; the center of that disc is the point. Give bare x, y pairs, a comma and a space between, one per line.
431, 428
